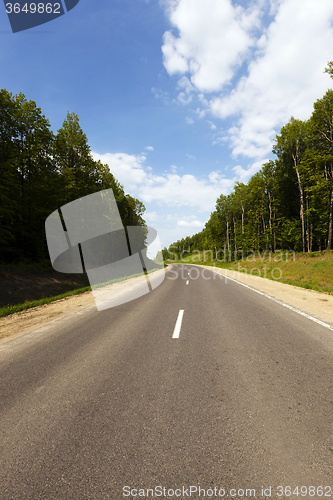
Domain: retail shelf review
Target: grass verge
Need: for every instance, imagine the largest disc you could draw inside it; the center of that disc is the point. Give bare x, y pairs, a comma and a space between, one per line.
11, 309
312, 271
5, 311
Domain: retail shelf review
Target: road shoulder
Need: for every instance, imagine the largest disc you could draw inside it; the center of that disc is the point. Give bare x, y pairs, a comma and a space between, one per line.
317, 304
25, 321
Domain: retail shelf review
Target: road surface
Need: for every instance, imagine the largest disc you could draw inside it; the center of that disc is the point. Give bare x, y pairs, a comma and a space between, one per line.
233, 394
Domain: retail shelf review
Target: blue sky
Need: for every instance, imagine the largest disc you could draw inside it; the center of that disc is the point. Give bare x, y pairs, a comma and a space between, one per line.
180, 97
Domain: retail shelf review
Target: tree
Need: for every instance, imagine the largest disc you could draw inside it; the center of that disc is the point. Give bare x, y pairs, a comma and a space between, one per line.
40, 173
224, 215
79, 172
322, 124
34, 173
329, 68
8, 206
292, 143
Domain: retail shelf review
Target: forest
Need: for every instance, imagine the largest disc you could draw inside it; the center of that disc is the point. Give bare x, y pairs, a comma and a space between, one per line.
40, 172
287, 205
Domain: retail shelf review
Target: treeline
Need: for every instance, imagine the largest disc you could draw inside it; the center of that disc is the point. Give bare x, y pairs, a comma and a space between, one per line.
288, 204
40, 172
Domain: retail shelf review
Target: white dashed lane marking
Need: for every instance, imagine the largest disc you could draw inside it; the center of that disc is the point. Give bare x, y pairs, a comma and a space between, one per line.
178, 326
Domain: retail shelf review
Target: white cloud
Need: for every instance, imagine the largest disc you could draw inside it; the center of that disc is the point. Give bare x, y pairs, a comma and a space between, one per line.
184, 98
215, 177
185, 84
284, 80
149, 148
213, 38
282, 63
187, 89
166, 194
191, 157
189, 121
243, 175
174, 61
212, 125
151, 216
190, 223
127, 169
187, 190
169, 189
201, 112
161, 94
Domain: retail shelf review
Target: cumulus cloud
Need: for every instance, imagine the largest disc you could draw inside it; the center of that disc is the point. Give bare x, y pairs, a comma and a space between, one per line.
207, 29
151, 216
243, 174
185, 84
257, 66
186, 190
186, 90
149, 148
215, 177
168, 189
190, 223
127, 169
284, 80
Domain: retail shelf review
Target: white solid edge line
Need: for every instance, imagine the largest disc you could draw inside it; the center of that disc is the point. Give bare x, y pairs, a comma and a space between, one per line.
326, 325
176, 331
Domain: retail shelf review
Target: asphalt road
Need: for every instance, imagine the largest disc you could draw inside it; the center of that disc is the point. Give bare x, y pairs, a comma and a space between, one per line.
241, 398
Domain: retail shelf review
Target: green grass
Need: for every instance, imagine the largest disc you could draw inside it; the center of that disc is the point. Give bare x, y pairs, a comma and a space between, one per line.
312, 271
5, 311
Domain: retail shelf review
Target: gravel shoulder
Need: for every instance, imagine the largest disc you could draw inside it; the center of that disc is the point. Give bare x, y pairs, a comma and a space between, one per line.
317, 304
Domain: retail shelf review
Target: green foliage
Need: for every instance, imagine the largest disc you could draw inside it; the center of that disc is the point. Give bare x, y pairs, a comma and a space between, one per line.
329, 68
288, 204
41, 171
8, 204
